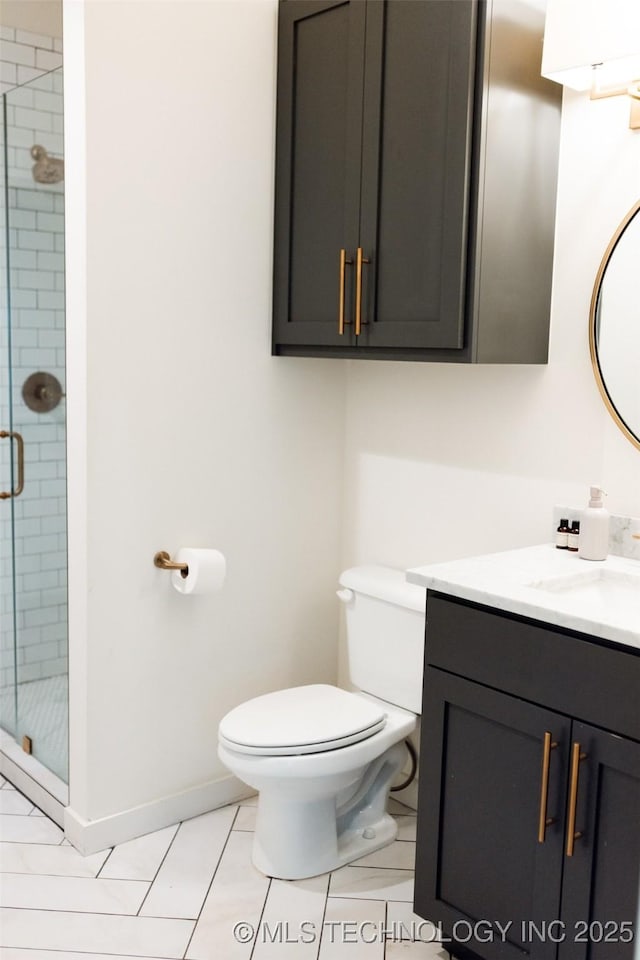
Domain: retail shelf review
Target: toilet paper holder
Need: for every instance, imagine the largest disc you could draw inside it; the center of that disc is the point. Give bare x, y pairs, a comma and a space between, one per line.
163, 561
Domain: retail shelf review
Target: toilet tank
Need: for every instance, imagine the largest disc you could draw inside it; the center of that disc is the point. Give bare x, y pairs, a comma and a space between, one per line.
385, 634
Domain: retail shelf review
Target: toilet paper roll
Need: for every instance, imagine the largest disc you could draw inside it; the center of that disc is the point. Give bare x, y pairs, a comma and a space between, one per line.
207, 570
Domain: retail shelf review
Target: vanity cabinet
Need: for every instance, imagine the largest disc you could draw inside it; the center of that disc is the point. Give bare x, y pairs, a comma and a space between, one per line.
529, 800
416, 166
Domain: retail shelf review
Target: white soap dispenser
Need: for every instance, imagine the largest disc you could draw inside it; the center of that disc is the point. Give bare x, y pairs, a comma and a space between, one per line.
594, 528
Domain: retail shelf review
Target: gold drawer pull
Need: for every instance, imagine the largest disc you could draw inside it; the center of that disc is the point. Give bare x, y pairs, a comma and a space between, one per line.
544, 821
17, 490
344, 260
360, 259
572, 833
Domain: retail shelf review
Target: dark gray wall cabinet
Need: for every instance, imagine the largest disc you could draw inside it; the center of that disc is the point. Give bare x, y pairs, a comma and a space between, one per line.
416, 165
529, 798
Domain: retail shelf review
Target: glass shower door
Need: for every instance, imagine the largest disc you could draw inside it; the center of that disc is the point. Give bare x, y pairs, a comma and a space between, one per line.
8, 680
33, 377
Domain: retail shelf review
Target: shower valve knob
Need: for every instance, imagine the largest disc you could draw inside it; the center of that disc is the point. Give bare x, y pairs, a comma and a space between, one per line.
42, 392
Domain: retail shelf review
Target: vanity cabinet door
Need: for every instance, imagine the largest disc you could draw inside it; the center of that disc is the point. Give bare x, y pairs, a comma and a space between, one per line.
601, 878
479, 857
318, 153
419, 82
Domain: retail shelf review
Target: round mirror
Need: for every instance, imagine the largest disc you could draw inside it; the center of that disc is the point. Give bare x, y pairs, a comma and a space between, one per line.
614, 331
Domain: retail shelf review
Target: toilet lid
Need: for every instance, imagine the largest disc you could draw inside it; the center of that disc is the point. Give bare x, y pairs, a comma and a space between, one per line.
306, 719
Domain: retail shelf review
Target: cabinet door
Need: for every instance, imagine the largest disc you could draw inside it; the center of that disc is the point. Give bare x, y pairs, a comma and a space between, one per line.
478, 853
601, 878
318, 148
419, 82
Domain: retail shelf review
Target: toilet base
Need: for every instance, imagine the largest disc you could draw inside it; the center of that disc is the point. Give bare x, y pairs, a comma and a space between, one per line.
352, 845
299, 838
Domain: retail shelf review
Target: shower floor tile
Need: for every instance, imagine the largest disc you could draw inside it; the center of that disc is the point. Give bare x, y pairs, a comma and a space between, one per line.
180, 893
44, 716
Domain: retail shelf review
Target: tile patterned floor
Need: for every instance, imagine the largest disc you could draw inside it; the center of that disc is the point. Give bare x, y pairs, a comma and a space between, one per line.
189, 892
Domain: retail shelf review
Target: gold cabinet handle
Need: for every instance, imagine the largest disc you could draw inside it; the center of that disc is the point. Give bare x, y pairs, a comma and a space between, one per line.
344, 260
544, 821
572, 833
360, 259
17, 490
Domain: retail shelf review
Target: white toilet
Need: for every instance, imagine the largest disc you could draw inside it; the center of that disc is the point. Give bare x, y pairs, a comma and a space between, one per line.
322, 759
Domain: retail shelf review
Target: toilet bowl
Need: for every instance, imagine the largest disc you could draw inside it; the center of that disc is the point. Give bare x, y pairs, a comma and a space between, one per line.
323, 759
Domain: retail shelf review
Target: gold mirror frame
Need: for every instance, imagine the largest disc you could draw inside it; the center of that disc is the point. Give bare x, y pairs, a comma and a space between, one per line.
593, 346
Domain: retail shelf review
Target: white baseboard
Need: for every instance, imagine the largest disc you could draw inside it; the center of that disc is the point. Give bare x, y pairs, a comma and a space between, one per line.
90, 836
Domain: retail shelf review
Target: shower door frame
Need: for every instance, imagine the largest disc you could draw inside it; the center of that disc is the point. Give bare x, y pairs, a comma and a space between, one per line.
43, 787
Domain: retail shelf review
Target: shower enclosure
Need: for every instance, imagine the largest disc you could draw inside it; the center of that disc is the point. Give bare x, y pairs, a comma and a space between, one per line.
33, 509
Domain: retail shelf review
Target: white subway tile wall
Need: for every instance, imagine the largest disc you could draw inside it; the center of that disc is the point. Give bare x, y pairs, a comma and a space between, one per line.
25, 56
34, 232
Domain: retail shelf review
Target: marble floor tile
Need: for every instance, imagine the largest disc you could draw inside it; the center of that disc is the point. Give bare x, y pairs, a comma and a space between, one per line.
372, 883
236, 897
406, 827
78, 894
353, 930
61, 860
29, 830
139, 859
394, 807
407, 950
94, 933
251, 801
404, 924
184, 878
291, 922
246, 818
400, 855
17, 953
13, 802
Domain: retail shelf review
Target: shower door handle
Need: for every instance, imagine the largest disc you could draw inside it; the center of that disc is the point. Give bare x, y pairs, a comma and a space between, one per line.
12, 435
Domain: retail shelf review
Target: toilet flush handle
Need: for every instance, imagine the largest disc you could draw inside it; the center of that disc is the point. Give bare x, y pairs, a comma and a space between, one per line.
345, 595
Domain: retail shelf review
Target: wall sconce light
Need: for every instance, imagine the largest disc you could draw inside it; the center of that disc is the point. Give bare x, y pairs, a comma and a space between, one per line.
595, 45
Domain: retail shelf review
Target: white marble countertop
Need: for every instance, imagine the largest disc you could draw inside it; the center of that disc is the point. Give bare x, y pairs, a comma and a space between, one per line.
601, 598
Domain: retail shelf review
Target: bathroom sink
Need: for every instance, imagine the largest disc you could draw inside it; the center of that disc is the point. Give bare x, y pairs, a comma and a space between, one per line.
599, 597
601, 587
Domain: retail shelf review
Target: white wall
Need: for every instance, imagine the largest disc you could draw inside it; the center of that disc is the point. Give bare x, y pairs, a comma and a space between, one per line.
447, 461
183, 430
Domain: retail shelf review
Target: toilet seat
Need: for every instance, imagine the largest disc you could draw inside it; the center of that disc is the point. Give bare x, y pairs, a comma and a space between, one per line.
301, 720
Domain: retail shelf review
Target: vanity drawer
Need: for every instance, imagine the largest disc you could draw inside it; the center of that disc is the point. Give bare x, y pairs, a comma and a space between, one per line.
568, 672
